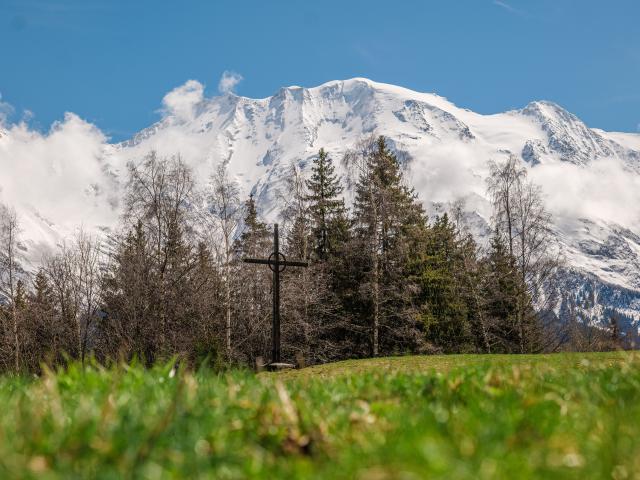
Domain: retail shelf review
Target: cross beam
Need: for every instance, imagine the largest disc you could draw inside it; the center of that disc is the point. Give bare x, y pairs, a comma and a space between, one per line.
277, 263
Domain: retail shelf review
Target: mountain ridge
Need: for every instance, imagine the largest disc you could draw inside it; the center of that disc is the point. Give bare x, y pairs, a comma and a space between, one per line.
446, 149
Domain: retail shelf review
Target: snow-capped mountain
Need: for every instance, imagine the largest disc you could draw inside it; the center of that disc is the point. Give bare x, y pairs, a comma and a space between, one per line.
590, 177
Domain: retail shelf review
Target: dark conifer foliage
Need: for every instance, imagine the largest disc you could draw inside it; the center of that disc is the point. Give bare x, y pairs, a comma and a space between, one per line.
446, 311
326, 206
251, 335
501, 288
254, 239
387, 226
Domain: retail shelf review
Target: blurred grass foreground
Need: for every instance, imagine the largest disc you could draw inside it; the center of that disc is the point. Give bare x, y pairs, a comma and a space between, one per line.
450, 417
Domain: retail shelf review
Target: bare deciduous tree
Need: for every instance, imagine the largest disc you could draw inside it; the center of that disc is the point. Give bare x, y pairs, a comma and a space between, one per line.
9, 272
86, 259
224, 202
158, 194
522, 220
75, 277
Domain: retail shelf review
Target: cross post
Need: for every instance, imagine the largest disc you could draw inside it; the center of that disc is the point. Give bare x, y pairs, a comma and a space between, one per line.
277, 263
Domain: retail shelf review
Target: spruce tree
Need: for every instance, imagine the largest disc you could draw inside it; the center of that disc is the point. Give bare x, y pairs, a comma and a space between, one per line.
325, 205
504, 302
42, 295
254, 239
131, 299
388, 222
252, 303
446, 306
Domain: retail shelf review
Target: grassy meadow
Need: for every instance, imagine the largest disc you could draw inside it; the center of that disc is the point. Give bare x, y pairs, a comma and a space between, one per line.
451, 417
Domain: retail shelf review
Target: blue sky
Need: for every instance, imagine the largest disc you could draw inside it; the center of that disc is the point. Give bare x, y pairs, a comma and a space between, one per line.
112, 61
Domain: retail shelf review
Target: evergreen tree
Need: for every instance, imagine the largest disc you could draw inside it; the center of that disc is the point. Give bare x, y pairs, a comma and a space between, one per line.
41, 329
325, 205
254, 239
388, 223
471, 273
208, 306
42, 294
131, 300
310, 309
505, 302
252, 306
446, 306
296, 217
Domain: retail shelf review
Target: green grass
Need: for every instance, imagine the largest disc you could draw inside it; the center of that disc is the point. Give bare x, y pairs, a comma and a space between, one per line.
559, 416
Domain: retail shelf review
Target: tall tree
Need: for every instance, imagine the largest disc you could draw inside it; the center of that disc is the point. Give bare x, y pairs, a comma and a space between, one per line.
253, 301
226, 208
387, 221
525, 226
501, 289
325, 204
158, 194
10, 270
41, 337
445, 303
131, 299
157, 289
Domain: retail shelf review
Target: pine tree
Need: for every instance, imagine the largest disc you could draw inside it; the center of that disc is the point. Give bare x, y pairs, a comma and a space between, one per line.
179, 322
310, 309
446, 306
326, 207
208, 309
131, 300
505, 303
296, 216
252, 305
388, 221
43, 324
254, 239
42, 294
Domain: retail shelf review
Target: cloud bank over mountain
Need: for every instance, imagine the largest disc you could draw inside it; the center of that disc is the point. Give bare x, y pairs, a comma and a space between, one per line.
56, 180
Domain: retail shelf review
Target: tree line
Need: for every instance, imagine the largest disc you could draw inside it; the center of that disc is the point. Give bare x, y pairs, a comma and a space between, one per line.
384, 279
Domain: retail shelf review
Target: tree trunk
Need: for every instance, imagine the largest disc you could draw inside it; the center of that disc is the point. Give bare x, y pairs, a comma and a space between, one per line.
227, 294
16, 337
376, 306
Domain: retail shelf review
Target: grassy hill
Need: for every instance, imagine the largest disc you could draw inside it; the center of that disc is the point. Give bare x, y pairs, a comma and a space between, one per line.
548, 416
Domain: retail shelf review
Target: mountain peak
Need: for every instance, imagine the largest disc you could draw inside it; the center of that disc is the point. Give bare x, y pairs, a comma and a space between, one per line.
546, 109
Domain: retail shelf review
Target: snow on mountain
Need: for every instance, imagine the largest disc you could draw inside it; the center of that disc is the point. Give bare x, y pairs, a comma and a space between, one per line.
72, 176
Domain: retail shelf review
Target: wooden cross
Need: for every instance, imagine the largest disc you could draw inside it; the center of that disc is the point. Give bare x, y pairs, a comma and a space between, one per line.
277, 262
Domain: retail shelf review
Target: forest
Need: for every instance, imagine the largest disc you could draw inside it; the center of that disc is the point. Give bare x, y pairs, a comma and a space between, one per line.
383, 278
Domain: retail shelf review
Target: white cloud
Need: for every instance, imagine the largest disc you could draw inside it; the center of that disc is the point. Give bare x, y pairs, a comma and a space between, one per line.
228, 81
182, 102
57, 180
603, 190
